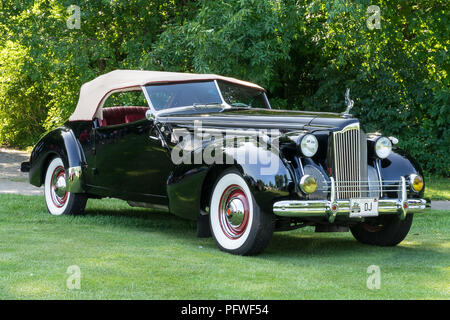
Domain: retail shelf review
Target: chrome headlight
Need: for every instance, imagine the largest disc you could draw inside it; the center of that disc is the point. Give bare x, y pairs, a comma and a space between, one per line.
308, 145
383, 147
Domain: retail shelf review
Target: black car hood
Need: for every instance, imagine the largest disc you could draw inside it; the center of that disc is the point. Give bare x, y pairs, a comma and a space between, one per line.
284, 120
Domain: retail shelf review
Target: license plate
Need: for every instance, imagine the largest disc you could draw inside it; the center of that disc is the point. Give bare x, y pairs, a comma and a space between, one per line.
364, 207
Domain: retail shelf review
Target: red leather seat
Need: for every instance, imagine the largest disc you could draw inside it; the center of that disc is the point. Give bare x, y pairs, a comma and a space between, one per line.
119, 115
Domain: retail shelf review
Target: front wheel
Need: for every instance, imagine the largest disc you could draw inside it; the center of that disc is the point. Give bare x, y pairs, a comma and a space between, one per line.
59, 201
237, 223
387, 230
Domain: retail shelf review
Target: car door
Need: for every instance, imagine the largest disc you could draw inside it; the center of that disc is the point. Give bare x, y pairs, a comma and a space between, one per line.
132, 161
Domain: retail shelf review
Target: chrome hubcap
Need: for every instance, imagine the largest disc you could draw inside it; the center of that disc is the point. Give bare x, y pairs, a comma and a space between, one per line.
233, 212
58, 187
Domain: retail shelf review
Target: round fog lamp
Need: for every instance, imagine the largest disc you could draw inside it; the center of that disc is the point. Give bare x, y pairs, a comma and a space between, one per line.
416, 182
308, 184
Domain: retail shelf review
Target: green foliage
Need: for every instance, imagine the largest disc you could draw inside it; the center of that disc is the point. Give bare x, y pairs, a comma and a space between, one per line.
22, 106
240, 38
304, 52
41, 82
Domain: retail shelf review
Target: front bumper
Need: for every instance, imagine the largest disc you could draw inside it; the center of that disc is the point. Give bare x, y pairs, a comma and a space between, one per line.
331, 208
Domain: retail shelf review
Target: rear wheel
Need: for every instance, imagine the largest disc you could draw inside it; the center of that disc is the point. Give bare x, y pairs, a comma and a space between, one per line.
388, 230
59, 201
237, 223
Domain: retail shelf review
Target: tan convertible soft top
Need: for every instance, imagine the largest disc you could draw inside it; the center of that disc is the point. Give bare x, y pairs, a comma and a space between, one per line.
93, 93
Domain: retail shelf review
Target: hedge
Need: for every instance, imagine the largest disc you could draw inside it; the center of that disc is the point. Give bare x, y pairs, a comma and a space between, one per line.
306, 53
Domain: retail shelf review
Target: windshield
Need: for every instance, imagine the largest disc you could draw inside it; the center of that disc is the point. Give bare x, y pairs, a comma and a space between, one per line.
166, 96
240, 96
203, 94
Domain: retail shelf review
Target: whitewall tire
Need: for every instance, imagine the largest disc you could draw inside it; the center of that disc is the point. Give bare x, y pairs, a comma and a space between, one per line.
58, 200
237, 224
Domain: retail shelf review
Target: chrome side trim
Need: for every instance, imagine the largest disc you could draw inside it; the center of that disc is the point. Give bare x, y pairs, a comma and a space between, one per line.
238, 122
74, 183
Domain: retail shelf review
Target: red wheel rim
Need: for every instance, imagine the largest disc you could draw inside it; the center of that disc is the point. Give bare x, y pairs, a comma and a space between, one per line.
58, 186
234, 212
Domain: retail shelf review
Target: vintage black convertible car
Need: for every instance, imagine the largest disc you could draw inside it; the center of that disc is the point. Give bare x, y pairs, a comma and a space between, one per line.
209, 148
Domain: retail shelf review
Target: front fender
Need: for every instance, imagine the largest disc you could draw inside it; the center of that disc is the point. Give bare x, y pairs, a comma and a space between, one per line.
267, 175
59, 142
400, 164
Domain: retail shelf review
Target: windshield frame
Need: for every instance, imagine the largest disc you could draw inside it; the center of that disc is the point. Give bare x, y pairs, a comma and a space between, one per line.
223, 103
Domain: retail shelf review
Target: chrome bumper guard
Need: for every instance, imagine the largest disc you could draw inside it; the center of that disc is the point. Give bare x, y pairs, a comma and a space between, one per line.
333, 207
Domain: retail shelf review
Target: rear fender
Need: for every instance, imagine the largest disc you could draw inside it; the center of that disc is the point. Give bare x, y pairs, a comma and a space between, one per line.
60, 142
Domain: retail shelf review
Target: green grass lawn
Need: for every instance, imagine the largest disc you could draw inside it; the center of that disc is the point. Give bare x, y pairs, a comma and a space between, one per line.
437, 188
128, 253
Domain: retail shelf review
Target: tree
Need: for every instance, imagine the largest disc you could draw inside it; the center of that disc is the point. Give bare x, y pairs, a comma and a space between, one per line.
306, 53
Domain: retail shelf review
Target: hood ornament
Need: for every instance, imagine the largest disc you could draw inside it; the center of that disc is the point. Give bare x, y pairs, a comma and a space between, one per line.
348, 102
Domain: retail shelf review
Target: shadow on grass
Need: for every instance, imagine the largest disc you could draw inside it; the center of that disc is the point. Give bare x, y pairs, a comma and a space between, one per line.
143, 219
283, 244
345, 247
144, 214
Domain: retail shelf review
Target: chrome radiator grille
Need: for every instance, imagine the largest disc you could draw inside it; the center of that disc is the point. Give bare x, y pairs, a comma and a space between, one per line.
350, 162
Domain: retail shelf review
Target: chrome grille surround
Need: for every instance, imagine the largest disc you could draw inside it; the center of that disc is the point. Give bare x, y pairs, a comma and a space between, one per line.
350, 162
